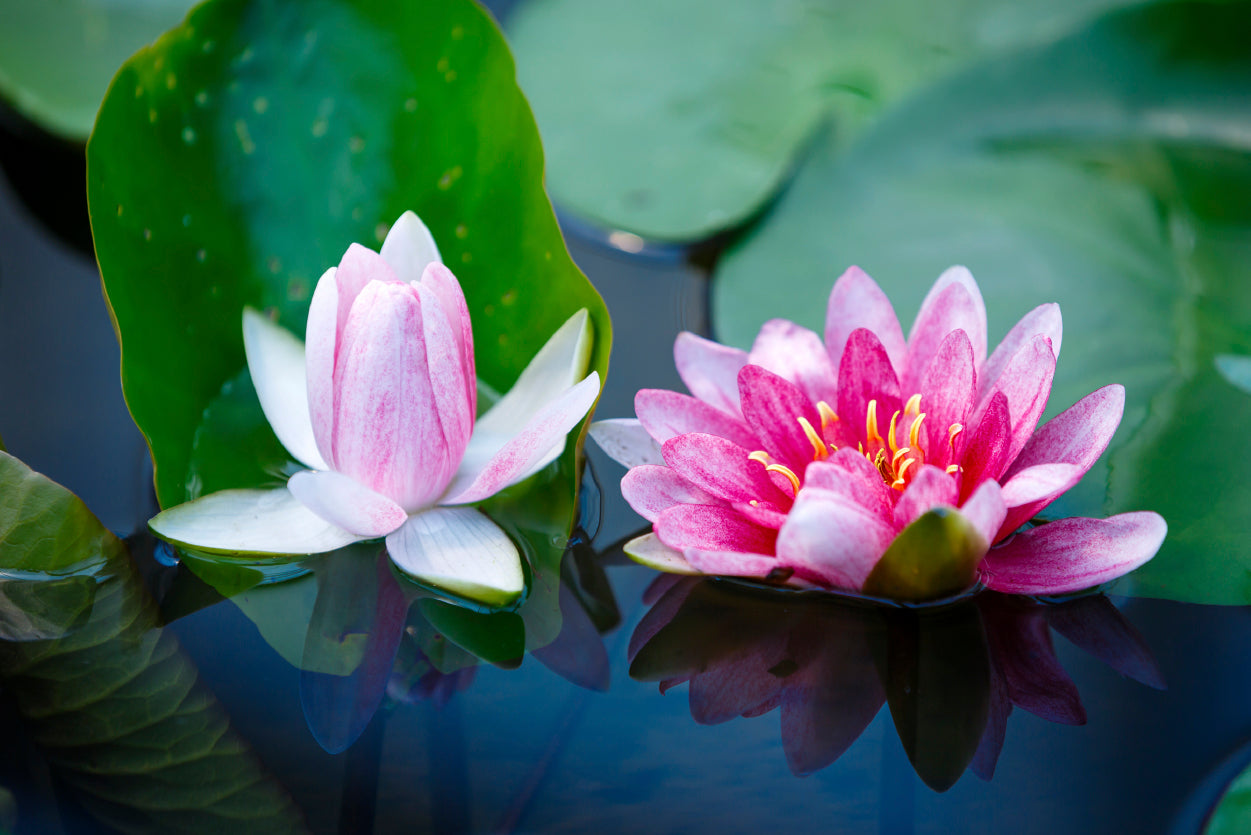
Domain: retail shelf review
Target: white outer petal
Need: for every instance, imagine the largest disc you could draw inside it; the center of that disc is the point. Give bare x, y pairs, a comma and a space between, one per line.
461, 550
276, 363
409, 247
250, 522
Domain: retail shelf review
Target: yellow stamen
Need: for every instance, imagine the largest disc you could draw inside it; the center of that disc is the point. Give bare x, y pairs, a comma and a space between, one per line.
908, 462
754, 503
954, 430
826, 413
894, 462
818, 445
891, 434
913, 406
914, 433
861, 446
760, 456
870, 424
952, 469
778, 468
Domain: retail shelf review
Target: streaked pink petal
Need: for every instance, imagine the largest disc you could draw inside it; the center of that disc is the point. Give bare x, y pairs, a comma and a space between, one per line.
446, 289
985, 510
953, 303
358, 268
651, 490
665, 414
796, 354
772, 407
1043, 320
731, 563
986, 455
767, 516
709, 370
857, 302
832, 540
409, 247
387, 425
1032, 489
445, 363
929, 488
689, 526
1026, 382
346, 503
626, 442
850, 474
484, 473
722, 468
1094, 624
865, 374
1078, 435
1073, 554
947, 399
320, 343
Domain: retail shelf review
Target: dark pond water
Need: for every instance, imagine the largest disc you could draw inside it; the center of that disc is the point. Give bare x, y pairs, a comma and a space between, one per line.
561, 742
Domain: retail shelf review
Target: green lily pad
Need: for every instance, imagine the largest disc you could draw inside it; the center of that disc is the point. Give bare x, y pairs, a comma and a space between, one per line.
677, 118
237, 158
1233, 813
1104, 172
56, 57
935, 556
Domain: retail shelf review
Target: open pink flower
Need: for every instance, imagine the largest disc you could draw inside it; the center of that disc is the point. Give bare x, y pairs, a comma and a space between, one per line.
381, 408
810, 459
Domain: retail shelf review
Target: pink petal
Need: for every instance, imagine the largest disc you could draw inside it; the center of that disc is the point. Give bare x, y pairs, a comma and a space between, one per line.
796, 354
831, 540
772, 407
1043, 320
445, 362
953, 303
346, 503
626, 442
651, 490
731, 563
987, 453
947, 398
741, 683
1078, 435
689, 526
1020, 643
985, 510
722, 468
320, 345
929, 488
1026, 382
766, 516
358, 268
865, 374
387, 425
1073, 554
1032, 489
665, 414
857, 302
850, 474
440, 281
1099, 628
481, 476
709, 370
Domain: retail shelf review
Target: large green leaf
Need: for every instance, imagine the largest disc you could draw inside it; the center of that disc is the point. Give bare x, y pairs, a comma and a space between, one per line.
111, 698
676, 118
57, 56
238, 157
1108, 172
1233, 814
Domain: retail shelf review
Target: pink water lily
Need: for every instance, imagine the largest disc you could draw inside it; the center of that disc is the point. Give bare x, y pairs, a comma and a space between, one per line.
808, 459
380, 404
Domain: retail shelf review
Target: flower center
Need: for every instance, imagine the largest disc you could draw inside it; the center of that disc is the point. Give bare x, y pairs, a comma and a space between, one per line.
894, 461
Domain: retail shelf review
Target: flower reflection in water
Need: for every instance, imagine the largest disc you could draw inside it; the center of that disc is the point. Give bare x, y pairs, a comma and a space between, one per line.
950, 675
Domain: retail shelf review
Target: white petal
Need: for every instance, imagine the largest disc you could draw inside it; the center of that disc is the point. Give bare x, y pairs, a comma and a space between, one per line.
249, 522
648, 550
461, 550
276, 363
556, 367
409, 247
626, 442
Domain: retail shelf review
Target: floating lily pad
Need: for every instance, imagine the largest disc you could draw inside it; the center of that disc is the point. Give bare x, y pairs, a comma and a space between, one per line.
1065, 174
677, 118
238, 157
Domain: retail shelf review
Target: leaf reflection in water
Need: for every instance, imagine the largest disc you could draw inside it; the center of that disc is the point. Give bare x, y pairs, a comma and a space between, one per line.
950, 675
106, 694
